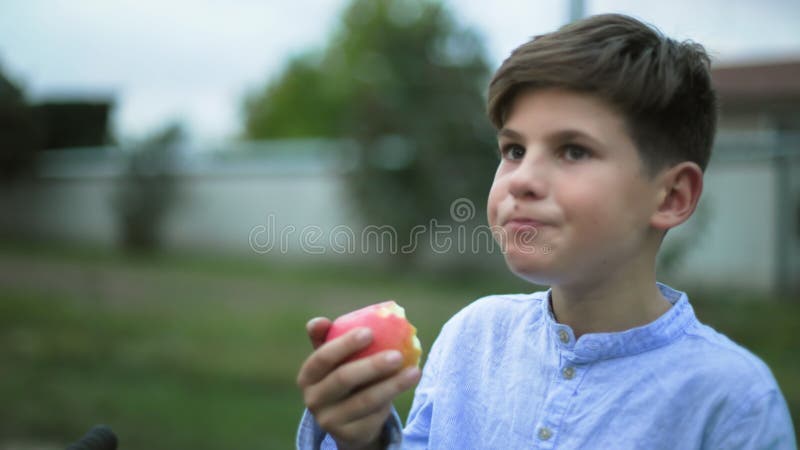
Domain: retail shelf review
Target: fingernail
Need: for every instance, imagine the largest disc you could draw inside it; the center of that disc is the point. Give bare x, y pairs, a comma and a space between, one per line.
363, 335
393, 357
312, 322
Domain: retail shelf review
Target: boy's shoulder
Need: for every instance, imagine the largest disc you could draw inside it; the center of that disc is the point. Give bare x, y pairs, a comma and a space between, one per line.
494, 315
731, 384
498, 308
712, 353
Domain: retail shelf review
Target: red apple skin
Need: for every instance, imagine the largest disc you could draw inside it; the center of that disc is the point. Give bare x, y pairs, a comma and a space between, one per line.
390, 331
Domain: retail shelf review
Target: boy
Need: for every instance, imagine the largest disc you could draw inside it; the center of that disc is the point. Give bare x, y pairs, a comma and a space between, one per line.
605, 129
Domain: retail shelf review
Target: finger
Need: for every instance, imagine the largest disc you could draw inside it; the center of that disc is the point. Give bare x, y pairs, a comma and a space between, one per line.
372, 398
331, 354
349, 377
317, 329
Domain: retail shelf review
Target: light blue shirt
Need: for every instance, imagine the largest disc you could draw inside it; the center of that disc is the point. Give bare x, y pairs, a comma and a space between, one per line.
503, 374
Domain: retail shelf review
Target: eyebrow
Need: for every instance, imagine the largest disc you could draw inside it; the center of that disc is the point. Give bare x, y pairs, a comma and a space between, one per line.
561, 135
509, 133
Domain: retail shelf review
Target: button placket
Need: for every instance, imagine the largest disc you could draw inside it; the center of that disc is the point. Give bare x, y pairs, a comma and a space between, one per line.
560, 397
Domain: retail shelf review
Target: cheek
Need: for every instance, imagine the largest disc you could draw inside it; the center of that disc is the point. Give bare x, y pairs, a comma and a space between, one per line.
576, 196
492, 203
587, 206
601, 208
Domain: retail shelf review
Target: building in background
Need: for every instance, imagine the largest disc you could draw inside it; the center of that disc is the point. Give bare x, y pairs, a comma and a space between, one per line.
751, 205
759, 97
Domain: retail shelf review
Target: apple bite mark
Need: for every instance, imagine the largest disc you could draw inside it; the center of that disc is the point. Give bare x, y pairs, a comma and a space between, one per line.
390, 330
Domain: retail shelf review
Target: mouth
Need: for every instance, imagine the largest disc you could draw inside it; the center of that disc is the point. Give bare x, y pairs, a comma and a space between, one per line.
522, 224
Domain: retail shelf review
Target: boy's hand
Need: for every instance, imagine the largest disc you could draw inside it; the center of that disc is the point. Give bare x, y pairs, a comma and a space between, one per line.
351, 401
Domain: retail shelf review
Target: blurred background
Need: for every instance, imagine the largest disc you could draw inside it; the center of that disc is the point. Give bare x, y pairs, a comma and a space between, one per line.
184, 184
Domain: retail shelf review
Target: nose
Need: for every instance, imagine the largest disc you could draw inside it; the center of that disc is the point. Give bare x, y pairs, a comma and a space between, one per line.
529, 179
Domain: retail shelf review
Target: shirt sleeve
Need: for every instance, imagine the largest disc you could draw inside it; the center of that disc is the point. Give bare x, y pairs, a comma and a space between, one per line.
418, 426
762, 424
310, 436
417, 432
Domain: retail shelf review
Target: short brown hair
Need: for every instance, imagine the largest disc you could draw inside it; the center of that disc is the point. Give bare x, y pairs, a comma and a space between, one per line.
662, 87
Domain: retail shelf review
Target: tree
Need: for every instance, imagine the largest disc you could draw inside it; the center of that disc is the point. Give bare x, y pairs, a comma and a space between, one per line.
403, 80
20, 136
147, 190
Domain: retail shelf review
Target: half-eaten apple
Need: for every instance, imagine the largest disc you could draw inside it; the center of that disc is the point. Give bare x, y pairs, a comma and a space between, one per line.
390, 330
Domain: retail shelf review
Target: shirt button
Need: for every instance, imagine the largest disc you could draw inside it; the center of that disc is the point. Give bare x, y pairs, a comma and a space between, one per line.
568, 372
563, 335
545, 433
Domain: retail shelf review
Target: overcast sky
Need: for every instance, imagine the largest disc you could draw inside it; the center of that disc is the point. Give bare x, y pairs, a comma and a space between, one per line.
194, 60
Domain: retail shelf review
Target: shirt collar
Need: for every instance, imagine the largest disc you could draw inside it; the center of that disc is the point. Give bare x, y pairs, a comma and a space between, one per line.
598, 346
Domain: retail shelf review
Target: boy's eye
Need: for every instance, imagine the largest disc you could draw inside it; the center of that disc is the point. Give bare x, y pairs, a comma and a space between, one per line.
575, 152
513, 152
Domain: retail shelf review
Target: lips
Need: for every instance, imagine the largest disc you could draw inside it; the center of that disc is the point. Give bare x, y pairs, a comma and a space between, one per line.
522, 223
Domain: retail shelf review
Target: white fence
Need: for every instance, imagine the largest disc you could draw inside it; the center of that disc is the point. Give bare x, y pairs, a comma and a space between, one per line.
744, 234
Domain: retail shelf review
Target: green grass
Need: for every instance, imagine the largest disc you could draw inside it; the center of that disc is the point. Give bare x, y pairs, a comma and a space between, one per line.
174, 351
190, 351
188, 378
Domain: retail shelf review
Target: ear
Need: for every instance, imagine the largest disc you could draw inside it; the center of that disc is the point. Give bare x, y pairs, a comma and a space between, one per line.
681, 186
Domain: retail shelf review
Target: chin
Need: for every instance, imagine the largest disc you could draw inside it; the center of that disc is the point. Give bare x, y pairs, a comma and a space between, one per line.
532, 271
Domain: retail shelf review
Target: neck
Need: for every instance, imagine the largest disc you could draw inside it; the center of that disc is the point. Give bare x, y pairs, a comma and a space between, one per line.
616, 302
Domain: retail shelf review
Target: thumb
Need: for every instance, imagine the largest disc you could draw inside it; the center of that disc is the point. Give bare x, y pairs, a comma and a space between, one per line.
317, 329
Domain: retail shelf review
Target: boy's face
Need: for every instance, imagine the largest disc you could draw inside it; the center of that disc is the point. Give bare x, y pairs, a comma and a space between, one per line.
571, 178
